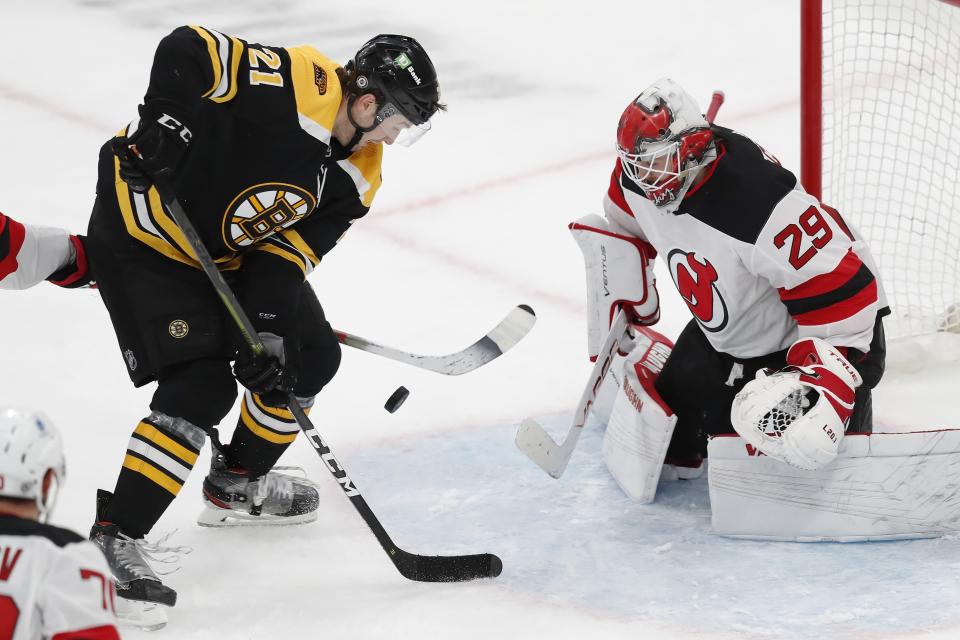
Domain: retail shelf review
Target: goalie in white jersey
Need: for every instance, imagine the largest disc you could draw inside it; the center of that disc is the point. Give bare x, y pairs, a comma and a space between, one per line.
54, 584
781, 288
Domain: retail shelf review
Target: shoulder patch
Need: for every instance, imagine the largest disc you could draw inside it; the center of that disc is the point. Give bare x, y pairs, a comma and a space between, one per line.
320, 78
316, 89
14, 526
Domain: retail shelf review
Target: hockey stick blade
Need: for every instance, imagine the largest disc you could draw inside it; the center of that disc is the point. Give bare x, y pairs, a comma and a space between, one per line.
537, 444
495, 343
534, 441
447, 568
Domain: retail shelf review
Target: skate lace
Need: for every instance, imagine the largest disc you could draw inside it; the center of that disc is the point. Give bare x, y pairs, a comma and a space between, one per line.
275, 485
138, 556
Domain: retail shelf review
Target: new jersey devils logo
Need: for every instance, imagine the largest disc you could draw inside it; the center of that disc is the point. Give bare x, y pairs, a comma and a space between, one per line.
696, 281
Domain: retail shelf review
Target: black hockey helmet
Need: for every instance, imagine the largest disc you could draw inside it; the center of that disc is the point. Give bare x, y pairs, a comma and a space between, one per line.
399, 72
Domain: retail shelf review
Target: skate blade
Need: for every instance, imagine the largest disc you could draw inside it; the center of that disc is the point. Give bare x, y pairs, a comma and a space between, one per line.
147, 616
213, 517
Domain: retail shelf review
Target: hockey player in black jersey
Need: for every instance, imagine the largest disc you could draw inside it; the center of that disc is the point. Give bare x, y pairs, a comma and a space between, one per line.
274, 153
780, 287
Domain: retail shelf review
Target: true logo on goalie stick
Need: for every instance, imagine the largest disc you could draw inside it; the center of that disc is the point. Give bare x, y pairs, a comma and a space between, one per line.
696, 280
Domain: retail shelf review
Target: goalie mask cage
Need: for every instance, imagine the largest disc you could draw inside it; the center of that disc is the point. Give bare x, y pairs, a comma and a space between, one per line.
880, 122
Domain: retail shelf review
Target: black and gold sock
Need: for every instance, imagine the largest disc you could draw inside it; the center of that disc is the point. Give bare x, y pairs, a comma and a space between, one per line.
263, 433
161, 452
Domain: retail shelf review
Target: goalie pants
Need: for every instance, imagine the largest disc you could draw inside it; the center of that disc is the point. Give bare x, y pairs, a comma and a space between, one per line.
172, 328
699, 384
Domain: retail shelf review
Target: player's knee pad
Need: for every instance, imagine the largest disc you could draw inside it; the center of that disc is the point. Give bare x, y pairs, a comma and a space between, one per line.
641, 423
179, 428
619, 270
201, 392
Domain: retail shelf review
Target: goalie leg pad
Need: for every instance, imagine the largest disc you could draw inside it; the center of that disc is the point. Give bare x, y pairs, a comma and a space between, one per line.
881, 486
641, 424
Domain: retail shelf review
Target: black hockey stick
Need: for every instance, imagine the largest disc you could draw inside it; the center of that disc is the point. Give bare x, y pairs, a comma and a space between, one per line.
410, 565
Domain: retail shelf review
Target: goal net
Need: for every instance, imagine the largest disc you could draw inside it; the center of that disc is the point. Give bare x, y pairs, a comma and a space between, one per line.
881, 143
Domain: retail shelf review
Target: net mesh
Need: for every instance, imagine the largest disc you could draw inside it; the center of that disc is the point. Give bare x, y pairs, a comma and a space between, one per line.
891, 147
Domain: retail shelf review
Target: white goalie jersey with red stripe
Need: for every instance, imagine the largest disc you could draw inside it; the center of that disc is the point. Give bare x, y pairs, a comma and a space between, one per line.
759, 262
53, 585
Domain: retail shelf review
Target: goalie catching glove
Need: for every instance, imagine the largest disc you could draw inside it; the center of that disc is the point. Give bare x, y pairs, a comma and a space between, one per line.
799, 414
619, 270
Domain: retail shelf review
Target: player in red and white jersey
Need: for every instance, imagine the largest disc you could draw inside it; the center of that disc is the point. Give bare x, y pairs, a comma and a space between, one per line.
54, 584
775, 280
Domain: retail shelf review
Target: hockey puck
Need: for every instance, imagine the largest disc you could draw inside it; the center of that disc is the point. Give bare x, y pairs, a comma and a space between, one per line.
396, 399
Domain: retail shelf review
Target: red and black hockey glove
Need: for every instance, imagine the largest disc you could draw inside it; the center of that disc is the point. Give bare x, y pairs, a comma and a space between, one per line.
155, 150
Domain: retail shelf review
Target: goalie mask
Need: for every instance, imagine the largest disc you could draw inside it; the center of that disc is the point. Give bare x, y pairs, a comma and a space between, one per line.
30, 447
663, 140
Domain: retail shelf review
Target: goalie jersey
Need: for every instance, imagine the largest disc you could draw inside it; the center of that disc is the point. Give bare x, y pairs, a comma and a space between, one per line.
759, 262
263, 181
53, 584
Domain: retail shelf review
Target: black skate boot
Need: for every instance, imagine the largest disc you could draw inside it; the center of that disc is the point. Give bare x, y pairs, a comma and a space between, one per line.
137, 584
231, 497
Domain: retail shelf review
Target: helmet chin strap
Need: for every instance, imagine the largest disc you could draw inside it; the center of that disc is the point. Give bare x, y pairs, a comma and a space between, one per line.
358, 129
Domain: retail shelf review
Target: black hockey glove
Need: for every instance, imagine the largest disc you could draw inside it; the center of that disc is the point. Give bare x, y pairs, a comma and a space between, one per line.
265, 374
155, 150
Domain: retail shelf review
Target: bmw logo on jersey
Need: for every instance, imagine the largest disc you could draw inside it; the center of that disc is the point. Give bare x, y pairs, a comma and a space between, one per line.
263, 210
696, 280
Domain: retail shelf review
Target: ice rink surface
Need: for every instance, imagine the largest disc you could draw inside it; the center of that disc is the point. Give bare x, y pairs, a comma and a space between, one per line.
469, 223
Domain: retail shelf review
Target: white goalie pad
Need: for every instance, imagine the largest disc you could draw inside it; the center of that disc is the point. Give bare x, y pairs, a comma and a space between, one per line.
619, 272
641, 424
881, 486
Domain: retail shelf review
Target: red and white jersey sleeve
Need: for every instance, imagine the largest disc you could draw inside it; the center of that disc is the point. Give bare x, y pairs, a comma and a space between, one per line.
30, 253
822, 270
53, 585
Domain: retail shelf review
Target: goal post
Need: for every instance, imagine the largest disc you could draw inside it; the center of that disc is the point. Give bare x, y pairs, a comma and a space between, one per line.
880, 141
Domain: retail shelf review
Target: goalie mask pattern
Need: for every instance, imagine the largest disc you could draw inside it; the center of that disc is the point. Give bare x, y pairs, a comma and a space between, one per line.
662, 141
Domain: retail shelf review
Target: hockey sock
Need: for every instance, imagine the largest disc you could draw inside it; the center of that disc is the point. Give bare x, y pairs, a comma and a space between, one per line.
263, 433
161, 452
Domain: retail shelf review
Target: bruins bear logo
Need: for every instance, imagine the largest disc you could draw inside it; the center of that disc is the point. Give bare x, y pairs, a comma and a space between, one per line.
263, 210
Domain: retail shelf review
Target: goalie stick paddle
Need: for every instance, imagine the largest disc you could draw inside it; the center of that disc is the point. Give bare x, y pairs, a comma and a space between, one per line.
537, 444
410, 565
495, 343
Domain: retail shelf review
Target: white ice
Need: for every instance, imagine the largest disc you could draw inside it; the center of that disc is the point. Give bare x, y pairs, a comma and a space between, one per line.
469, 223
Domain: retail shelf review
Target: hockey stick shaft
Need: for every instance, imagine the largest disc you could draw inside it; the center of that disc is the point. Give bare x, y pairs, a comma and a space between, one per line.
411, 566
533, 440
492, 345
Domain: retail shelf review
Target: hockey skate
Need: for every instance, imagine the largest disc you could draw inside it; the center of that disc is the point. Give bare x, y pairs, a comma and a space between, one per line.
231, 497
144, 597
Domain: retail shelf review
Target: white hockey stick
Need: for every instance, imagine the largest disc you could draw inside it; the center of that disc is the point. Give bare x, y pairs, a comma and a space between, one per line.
502, 337
537, 444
